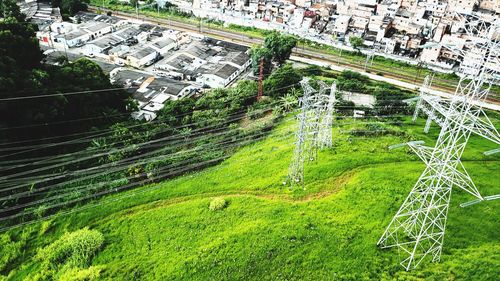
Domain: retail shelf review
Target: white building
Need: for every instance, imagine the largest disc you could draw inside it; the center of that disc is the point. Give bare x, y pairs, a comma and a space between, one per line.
72, 39
96, 29
219, 77
142, 57
163, 45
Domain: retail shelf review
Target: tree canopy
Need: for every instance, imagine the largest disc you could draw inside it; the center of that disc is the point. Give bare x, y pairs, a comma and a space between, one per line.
277, 48
261, 53
70, 7
22, 75
356, 42
280, 45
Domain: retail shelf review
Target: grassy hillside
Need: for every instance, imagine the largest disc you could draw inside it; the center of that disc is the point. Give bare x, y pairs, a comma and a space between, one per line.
268, 232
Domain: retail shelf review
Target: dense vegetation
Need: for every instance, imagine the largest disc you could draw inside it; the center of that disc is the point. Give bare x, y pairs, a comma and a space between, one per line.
70, 7
232, 221
236, 221
277, 48
34, 95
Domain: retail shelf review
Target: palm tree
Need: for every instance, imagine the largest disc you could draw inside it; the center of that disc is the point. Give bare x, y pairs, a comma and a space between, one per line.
289, 101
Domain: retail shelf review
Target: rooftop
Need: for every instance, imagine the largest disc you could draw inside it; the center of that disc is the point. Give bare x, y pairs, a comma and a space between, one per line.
128, 32
168, 86
73, 35
200, 51
95, 26
162, 43
238, 58
141, 53
105, 42
224, 71
88, 16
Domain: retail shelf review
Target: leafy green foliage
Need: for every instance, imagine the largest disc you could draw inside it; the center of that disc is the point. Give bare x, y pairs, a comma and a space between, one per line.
217, 204
389, 99
281, 80
22, 74
328, 231
280, 45
356, 42
261, 54
75, 249
77, 274
277, 47
70, 7
10, 12
9, 250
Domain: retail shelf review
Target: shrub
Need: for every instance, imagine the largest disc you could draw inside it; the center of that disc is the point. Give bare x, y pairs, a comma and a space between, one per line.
44, 227
9, 250
217, 204
74, 249
78, 274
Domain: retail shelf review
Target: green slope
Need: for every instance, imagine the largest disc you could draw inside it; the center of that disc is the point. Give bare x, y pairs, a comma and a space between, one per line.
267, 232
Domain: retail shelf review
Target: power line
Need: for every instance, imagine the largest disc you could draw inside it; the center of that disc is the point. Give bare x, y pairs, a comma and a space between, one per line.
200, 130
260, 134
67, 94
63, 122
70, 142
228, 143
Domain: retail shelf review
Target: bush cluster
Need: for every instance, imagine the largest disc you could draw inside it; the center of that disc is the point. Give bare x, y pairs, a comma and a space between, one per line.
73, 249
217, 204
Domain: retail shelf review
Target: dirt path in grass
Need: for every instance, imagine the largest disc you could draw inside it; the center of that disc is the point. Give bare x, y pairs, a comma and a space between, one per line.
337, 184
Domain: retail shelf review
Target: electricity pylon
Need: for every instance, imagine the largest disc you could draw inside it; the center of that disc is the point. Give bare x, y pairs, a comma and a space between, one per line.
319, 102
296, 169
311, 117
325, 134
418, 227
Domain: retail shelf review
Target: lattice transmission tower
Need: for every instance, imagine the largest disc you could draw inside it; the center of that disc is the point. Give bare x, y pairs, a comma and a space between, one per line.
311, 130
418, 227
325, 134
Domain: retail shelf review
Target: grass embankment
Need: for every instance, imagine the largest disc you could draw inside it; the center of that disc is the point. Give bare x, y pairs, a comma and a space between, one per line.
265, 231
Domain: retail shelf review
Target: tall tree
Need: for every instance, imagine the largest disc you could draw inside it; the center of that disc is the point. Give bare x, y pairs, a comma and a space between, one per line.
28, 89
356, 42
262, 53
70, 7
280, 45
10, 9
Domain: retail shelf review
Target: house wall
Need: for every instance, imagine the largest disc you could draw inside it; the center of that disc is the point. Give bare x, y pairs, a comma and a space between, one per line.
135, 62
213, 81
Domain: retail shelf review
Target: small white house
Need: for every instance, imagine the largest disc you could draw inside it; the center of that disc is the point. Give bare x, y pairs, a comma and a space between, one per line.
96, 29
163, 45
141, 57
219, 77
73, 39
100, 45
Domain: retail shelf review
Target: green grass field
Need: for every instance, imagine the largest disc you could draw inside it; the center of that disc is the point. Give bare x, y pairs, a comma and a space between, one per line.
268, 232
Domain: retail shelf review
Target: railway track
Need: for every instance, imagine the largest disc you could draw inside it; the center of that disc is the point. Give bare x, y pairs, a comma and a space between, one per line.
443, 85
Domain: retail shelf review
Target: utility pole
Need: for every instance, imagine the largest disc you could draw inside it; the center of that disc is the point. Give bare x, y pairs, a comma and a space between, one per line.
137, 9
261, 78
368, 57
419, 225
